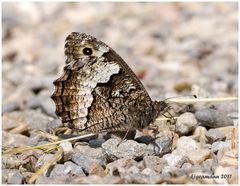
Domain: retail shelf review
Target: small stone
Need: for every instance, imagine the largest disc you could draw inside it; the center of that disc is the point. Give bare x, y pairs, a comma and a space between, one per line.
155, 163
213, 135
140, 178
186, 166
34, 119
209, 165
95, 143
95, 154
68, 168
58, 170
67, 149
126, 149
94, 179
119, 166
96, 169
43, 180
43, 102
15, 177
15, 140
186, 145
144, 139
213, 118
133, 170
56, 123
216, 146
186, 123
228, 158
225, 174
175, 160
174, 171
234, 177
196, 168
228, 131
63, 179
9, 107
43, 159
199, 134
85, 161
37, 83
198, 156
74, 169
149, 172
206, 178
20, 95
163, 145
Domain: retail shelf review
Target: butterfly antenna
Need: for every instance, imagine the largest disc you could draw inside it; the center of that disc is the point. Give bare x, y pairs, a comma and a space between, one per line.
173, 97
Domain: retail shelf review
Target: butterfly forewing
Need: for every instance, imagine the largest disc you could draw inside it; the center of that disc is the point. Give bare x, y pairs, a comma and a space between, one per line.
98, 91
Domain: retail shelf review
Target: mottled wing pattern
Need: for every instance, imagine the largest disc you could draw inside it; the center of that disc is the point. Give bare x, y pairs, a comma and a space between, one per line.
98, 92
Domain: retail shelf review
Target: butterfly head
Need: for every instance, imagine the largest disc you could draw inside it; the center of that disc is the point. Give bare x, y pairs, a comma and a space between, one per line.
83, 46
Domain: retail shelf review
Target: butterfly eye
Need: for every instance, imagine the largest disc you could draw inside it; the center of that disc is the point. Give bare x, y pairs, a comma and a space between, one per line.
87, 51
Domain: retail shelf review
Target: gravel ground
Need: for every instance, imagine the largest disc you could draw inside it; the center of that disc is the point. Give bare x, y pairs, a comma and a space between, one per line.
174, 48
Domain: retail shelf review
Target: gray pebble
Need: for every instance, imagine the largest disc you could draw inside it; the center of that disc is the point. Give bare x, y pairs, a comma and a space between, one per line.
196, 168
15, 139
155, 163
144, 139
213, 118
95, 143
120, 166
185, 145
209, 166
43, 159
186, 123
94, 179
9, 107
63, 179
43, 102
140, 178
95, 153
175, 160
186, 166
173, 171
74, 169
150, 172
126, 149
213, 135
85, 161
67, 149
54, 124
163, 145
37, 83
69, 168
15, 177
216, 146
34, 119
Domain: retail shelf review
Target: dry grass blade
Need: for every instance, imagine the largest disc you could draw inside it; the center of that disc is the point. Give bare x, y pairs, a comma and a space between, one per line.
165, 119
22, 149
50, 162
47, 135
19, 129
197, 100
233, 146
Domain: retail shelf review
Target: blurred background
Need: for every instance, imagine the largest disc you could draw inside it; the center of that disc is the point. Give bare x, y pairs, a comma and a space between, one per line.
174, 48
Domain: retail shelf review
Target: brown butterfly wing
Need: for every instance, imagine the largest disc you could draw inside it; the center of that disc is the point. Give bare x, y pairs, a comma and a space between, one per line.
100, 93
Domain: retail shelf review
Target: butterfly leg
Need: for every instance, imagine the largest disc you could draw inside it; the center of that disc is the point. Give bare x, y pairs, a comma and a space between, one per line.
155, 145
124, 138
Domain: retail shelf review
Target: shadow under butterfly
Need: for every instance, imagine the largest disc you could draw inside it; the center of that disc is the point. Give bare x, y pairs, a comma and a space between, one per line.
98, 92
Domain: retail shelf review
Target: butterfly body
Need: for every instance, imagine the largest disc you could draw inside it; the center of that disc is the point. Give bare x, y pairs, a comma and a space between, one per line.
98, 92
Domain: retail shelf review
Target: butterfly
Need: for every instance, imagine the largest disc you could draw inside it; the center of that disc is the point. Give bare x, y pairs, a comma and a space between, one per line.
98, 92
